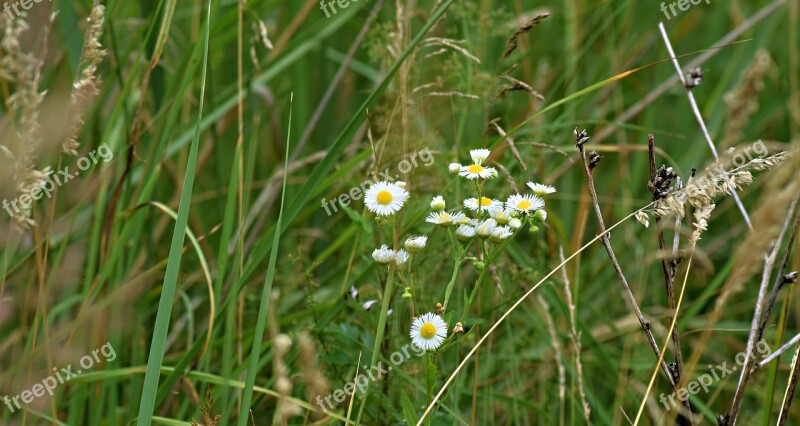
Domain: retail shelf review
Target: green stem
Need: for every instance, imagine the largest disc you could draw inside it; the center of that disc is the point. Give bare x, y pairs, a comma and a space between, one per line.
452, 282
376, 350
488, 258
388, 291
474, 293
430, 374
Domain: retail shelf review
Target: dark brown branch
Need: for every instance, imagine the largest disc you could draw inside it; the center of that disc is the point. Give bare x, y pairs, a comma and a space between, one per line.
580, 140
660, 181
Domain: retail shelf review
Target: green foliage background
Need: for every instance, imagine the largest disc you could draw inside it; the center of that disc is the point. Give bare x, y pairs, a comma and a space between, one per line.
93, 271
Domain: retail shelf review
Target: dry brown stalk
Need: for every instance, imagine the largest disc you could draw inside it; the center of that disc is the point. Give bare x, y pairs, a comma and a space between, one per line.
576, 339
589, 163
513, 42
660, 183
729, 418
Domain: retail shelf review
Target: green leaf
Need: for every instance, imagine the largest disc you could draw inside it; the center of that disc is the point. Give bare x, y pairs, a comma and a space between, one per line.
366, 226
408, 409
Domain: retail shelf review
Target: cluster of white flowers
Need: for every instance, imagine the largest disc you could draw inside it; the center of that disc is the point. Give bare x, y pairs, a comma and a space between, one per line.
486, 218
386, 256
497, 221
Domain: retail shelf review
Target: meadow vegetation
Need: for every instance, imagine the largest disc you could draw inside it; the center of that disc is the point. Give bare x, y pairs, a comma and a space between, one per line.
434, 212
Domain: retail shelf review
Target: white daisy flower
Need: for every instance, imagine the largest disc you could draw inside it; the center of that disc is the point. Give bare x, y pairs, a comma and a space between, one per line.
443, 218
383, 255
438, 204
477, 171
454, 168
400, 258
515, 223
415, 244
524, 203
540, 189
353, 292
501, 215
479, 155
500, 234
464, 220
368, 304
465, 232
460, 218
485, 204
428, 331
385, 198
485, 228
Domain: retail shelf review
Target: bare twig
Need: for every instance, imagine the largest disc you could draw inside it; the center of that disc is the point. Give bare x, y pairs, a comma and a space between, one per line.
576, 339
588, 164
781, 278
660, 181
509, 141
509, 178
562, 371
790, 388
769, 261
778, 352
699, 117
517, 85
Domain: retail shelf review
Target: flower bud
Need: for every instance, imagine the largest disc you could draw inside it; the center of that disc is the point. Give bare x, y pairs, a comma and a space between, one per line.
438, 204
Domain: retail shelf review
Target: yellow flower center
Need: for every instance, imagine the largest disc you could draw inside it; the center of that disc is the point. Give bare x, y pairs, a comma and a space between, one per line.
384, 197
475, 168
524, 205
444, 217
427, 330
485, 201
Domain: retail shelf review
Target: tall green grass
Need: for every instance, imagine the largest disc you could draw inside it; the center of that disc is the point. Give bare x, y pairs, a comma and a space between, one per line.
188, 318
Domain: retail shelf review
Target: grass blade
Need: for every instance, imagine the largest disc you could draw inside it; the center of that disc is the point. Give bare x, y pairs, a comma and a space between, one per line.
261, 322
156, 356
